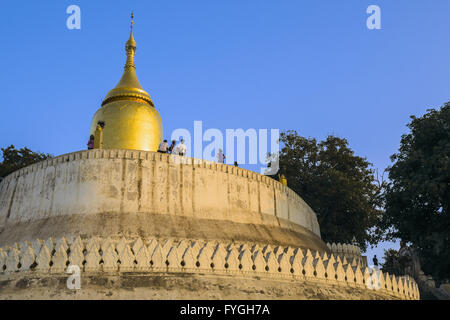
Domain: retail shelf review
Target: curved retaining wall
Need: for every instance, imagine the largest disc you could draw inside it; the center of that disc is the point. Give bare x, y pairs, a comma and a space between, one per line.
126, 192
194, 261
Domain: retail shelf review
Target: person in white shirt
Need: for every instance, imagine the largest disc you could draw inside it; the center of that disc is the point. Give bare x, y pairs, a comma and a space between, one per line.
180, 149
220, 156
163, 147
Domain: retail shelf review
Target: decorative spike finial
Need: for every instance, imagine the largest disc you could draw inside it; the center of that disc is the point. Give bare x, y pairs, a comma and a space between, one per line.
130, 47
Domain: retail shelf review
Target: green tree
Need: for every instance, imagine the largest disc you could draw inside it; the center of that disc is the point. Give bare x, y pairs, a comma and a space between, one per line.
14, 159
338, 185
418, 195
391, 263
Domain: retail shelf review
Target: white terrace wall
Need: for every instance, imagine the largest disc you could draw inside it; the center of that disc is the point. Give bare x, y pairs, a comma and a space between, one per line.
125, 182
348, 251
186, 256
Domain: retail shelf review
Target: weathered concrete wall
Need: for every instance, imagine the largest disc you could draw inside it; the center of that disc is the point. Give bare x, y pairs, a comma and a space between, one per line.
151, 268
113, 192
166, 286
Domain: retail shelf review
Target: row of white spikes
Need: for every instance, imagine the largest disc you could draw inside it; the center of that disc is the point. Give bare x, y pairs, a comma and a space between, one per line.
159, 255
344, 248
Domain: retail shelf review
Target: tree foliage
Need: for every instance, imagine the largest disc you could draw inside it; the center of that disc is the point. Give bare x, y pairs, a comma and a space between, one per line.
418, 196
338, 185
391, 263
14, 159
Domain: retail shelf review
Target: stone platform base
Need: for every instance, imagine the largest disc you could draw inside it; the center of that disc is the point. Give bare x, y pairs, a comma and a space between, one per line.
101, 286
142, 268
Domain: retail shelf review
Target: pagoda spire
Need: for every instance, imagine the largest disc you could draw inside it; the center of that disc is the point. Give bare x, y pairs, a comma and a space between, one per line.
129, 86
130, 47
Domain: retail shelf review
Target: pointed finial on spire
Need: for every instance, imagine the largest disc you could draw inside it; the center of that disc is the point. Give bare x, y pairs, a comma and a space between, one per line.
131, 44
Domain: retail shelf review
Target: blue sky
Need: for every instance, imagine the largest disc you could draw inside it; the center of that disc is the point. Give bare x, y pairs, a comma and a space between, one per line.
311, 66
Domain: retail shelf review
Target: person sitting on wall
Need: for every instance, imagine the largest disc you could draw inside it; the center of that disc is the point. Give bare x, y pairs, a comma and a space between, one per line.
163, 147
180, 149
236, 164
90, 143
172, 146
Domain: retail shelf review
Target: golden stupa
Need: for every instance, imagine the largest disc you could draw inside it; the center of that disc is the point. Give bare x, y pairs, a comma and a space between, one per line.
127, 118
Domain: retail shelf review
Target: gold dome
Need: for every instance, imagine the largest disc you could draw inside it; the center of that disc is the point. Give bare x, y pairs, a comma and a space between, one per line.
130, 118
